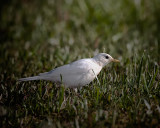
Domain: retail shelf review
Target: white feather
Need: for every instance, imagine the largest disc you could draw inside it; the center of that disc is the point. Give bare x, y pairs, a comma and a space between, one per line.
78, 73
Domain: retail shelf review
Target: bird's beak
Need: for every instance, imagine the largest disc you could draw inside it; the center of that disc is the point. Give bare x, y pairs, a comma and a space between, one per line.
115, 60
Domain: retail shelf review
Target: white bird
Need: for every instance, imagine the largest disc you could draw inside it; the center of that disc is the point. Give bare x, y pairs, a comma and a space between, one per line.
76, 74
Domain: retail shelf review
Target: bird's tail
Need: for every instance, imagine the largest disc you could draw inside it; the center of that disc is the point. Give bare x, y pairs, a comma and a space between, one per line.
30, 78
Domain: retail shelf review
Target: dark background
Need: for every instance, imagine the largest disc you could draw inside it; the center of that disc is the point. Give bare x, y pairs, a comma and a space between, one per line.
37, 36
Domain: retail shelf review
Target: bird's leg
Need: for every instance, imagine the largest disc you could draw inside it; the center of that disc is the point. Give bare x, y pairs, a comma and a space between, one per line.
77, 93
75, 90
96, 77
64, 98
64, 102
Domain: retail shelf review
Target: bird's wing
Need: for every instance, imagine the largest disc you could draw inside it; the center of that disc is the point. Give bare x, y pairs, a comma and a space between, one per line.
79, 67
77, 73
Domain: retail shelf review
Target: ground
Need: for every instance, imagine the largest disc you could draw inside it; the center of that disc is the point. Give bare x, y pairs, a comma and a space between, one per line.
39, 36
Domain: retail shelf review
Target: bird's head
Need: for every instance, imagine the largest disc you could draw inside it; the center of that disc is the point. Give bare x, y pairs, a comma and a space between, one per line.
103, 59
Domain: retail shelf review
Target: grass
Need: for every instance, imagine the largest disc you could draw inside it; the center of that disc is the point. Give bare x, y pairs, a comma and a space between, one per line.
39, 36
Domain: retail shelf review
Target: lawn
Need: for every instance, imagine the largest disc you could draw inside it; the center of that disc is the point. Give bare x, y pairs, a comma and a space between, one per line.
37, 36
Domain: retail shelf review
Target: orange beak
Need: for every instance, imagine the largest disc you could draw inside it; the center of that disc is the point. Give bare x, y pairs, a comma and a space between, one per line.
115, 60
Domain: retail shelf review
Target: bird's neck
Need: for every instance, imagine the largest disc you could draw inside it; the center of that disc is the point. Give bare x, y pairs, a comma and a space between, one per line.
99, 62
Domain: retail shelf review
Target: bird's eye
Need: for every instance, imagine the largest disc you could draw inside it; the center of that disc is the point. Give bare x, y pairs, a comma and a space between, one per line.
106, 57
